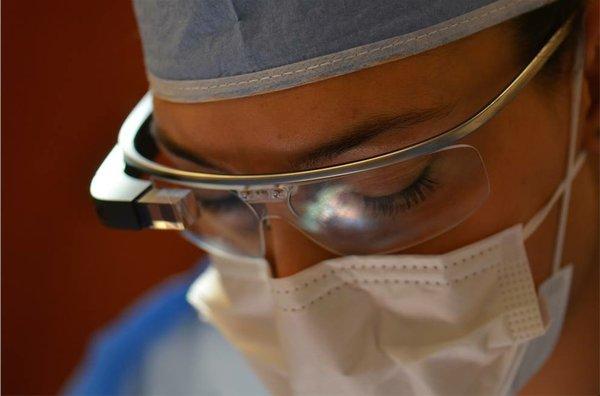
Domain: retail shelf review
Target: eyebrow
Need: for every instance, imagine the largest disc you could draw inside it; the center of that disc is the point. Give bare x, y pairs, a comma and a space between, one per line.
179, 151
368, 130
352, 137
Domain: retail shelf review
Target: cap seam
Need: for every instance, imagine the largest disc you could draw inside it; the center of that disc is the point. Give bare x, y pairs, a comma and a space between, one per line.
170, 88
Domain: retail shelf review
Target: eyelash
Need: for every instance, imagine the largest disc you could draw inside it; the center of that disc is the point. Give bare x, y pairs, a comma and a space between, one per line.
404, 200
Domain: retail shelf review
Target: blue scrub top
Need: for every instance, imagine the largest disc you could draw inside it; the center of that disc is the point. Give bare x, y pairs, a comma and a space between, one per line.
159, 346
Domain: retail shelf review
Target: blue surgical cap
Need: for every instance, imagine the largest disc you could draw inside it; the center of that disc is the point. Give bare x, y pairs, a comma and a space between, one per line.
205, 50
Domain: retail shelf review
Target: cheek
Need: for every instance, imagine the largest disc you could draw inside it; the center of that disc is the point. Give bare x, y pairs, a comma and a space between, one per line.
524, 150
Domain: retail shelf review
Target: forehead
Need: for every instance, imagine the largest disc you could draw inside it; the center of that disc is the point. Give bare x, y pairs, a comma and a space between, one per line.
465, 73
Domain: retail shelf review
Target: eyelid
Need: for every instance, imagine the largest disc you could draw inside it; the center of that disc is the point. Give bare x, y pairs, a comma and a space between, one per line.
414, 194
399, 176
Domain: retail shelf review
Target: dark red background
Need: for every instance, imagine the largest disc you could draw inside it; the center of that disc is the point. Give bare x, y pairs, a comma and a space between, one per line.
71, 71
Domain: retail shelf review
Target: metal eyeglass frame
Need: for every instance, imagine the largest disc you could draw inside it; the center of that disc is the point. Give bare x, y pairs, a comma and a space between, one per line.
124, 200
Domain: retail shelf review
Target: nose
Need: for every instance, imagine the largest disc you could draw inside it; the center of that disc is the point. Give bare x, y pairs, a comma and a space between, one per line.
288, 250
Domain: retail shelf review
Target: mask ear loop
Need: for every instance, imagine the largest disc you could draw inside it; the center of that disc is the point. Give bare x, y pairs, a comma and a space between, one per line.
574, 165
532, 225
576, 104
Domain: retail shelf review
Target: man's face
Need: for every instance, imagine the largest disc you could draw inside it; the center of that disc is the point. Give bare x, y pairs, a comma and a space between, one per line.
405, 101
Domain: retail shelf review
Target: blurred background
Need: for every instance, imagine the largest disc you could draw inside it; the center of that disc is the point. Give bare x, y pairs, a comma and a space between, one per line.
71, 71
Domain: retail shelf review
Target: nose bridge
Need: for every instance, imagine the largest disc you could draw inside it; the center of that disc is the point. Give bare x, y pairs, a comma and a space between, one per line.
288, 249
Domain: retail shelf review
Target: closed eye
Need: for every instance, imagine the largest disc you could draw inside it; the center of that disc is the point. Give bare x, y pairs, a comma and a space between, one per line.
416, 193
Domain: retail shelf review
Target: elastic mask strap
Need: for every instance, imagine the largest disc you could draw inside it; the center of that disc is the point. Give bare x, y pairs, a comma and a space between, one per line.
574, 165
575, 107
533, 224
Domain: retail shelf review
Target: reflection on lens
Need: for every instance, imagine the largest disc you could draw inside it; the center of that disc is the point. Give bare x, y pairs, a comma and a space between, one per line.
335, 206
356, 204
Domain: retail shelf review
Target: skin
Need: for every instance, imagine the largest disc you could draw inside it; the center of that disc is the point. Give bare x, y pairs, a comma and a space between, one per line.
524, 150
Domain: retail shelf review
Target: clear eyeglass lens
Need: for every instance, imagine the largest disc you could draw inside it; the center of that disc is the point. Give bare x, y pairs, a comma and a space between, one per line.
377, 211
226, 223
393, 207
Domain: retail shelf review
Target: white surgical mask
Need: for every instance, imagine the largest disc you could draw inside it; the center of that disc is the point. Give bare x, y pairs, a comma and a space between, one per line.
468, 322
